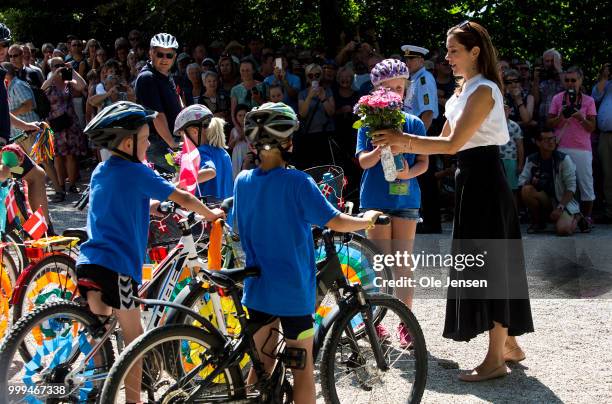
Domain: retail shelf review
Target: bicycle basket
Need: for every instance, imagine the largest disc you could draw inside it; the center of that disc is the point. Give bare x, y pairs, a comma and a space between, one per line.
331, 181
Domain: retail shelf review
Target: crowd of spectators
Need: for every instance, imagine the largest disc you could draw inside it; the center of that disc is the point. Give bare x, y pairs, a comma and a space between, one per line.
66, 84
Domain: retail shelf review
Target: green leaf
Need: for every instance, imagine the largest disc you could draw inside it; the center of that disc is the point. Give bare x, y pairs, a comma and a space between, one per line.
358, 124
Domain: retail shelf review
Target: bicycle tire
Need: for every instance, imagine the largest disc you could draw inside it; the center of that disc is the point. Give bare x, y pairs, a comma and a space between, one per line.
21, 306
22, 328
357, 363
169, 335
17, 248
8, 278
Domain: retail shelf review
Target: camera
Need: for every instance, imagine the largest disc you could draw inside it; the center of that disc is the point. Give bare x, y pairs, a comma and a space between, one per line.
66, 73
570, 108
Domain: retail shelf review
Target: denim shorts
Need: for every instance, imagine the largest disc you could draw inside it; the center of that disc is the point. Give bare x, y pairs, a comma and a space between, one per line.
410, 214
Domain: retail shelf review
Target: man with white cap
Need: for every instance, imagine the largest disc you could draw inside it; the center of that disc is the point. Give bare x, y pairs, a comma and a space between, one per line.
422, 99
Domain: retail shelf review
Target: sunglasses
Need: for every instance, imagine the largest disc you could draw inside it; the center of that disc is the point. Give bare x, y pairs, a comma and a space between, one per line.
57, 66
314, 75
511, 81
465, 24
14, 55
548, 139
570, 80
162, 55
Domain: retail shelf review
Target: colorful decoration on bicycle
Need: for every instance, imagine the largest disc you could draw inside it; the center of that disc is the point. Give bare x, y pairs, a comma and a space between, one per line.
36, 225
43, 149
355, 267
52, 286
6, 291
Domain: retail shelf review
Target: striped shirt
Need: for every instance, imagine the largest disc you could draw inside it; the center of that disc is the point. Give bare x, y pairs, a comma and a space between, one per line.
19, 92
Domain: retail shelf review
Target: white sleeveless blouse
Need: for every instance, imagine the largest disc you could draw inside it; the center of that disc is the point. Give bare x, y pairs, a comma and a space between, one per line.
494, 129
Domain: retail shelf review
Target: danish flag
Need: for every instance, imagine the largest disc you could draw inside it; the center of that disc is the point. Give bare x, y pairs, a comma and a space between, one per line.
327, 190
162, 227
11, 206
190, 164
36, 225
341, 203
344, 182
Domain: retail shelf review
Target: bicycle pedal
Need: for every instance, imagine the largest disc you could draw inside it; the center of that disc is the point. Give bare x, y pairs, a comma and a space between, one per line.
294, 358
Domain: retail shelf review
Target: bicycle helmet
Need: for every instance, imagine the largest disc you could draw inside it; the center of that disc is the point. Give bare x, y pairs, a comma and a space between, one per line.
194, 115
270, 125
117, 121
5, 33
163, 40
388, 69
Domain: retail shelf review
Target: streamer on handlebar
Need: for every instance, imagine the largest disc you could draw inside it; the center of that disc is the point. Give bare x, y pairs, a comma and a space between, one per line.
43, 149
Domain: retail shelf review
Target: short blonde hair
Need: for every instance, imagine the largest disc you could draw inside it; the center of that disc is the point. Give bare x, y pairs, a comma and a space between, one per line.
215, 134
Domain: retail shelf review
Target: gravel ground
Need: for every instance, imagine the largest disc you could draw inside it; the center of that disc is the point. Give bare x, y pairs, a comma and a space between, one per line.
569, 354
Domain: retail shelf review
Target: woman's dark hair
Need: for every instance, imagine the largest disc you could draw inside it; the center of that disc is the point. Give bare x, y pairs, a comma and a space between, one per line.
471, 34
241, 107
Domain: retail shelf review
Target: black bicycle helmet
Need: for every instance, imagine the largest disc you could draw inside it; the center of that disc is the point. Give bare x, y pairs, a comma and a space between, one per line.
270, 125
117, 121
5, 33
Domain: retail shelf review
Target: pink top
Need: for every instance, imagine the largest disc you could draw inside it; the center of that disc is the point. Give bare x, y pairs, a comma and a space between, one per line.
572, 133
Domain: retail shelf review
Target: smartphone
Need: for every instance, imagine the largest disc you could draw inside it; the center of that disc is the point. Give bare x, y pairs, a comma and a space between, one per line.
278, 62
315, 84
67, 73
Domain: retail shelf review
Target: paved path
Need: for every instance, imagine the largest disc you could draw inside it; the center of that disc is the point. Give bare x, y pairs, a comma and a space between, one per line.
569, 355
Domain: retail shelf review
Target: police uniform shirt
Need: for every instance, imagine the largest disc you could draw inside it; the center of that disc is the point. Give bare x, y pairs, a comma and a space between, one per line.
423, 94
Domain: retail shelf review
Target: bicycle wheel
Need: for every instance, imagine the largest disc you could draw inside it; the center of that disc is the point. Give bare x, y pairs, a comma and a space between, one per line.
57, 337
199, 301
52, 278
356, 254
158, 353
349, 369
8, 277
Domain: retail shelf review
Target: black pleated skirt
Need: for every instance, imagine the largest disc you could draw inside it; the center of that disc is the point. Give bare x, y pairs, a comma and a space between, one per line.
486, 223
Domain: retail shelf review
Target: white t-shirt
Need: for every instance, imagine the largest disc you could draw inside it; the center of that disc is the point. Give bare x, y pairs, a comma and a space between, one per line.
494, 129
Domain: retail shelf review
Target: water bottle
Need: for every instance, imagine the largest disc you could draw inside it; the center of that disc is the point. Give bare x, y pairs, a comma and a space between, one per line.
399, 162
388, 164
328, 179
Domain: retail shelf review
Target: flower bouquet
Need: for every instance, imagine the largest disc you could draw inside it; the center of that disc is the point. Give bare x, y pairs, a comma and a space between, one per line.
382, 110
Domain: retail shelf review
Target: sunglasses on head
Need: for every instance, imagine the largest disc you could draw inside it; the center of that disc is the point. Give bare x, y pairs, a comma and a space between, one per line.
162, 55
570, 80
465, 25
511, 81
314, 75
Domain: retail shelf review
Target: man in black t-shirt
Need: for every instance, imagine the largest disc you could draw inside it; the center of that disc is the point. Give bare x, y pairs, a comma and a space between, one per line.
156, 90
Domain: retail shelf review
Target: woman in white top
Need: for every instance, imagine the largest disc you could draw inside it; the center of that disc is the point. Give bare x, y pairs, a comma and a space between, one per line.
486, 221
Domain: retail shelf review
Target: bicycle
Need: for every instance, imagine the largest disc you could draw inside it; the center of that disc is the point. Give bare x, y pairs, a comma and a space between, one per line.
64, 343
215, 377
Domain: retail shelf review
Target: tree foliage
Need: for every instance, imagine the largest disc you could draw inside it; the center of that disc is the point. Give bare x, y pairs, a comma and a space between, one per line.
580, 30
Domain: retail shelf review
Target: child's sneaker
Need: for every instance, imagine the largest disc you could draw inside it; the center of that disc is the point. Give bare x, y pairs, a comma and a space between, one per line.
382, 332
404, 336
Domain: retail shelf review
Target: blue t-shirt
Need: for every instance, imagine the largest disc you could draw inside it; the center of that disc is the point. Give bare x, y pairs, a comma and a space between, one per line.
118, 217
274, 211
374, 190
218, 159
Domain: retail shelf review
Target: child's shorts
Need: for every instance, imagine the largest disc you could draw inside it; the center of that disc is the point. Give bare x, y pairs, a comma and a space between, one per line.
294, 327
117, 289
410, 214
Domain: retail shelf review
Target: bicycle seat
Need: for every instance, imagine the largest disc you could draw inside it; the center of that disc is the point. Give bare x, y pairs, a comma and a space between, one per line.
229, 277
227, 204
80, 233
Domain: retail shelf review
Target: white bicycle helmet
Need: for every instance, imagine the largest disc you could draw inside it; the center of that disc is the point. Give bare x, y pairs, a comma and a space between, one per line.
270, 125
163, 40
194, 115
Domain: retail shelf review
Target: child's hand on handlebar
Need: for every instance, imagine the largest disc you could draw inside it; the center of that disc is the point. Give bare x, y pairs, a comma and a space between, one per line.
216, 214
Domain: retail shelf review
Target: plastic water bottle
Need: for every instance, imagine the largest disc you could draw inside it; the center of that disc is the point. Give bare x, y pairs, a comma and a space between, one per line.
328, 179
388, 164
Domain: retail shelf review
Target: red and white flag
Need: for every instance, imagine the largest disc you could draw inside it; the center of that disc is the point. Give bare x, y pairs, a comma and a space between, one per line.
11, 206
190, 164
327, 190
162, 227
36, 225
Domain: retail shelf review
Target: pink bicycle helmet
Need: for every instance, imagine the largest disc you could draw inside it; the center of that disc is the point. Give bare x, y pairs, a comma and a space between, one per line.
388, 69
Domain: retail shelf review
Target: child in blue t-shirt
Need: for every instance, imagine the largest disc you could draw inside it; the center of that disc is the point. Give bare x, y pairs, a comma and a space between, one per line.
275, 208
124, 191
206, 132
400, 199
